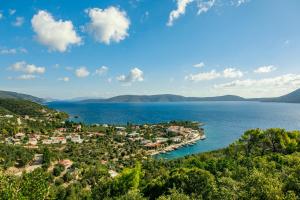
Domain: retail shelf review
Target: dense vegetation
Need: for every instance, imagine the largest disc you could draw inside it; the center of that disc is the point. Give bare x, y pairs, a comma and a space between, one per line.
26, 116
263, 164
15, 95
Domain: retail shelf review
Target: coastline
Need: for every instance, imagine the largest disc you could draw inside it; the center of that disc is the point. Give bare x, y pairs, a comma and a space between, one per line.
174, 147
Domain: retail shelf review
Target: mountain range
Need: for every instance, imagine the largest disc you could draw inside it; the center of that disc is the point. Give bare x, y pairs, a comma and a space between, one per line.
293, 97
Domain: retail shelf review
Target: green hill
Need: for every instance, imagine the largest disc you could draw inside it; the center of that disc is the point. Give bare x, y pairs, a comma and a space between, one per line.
23, 115
15, 95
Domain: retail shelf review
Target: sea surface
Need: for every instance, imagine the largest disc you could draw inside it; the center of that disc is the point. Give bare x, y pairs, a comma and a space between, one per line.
224, 122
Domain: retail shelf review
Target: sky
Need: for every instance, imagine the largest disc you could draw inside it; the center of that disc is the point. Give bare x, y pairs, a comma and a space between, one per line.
65, 49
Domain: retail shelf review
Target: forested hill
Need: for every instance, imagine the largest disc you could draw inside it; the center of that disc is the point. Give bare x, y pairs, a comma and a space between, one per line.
22, 107
15, 95
263, 164
20, 115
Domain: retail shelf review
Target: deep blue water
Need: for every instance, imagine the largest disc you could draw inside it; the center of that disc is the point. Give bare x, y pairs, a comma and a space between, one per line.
224, 121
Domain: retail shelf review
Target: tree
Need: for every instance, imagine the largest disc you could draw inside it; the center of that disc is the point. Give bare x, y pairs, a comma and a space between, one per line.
34, 185
262, 186
193, 181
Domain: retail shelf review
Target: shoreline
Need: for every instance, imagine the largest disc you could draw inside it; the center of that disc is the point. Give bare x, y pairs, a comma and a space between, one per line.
175, 147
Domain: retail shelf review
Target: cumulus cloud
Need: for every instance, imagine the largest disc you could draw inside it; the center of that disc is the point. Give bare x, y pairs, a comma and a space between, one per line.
180, 10
286, 80
64, 79
108, 25
135, 75
232, 73
204, 76
19, 21
265, 69
22, 66
82, 72
1, 15
266, 87
213, 74
57, 35
199, 65
101, 70
204, 6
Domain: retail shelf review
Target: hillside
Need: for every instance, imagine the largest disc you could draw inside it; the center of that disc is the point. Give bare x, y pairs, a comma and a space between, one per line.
293, 97
27, 115
15, 95
262, 164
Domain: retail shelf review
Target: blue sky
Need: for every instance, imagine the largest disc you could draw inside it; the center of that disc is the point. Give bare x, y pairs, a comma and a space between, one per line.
94, 48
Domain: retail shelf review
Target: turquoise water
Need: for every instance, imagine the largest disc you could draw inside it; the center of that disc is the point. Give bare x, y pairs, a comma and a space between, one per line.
224, 121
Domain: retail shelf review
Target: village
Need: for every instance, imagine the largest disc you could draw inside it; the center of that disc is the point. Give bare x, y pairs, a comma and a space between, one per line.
117, 145
162, 138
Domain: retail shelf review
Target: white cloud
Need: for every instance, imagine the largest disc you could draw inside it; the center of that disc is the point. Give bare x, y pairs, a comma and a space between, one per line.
286, 80
135, 75
12, 11
213, 74
22, 66
204, 6
12, 50
204, 76
265, 69
238, 3
26, 77
57, 35
232, 73
101, 70
180, 10
199, 65
1, 15
64, 79
19, 21
108, 25
266, 87
82, 72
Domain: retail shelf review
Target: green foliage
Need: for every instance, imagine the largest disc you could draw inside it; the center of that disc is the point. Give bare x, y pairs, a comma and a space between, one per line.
14, 156
58, 169
22, 107
34, 185
263, 164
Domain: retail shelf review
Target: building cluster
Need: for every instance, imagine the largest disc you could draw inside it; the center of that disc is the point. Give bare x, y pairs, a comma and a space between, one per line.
61, 137
163, 135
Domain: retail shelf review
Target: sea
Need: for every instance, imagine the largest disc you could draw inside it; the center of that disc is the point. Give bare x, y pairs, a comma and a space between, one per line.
224, 122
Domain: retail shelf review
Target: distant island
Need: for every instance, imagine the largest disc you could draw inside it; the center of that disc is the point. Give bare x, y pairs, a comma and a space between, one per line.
293, 97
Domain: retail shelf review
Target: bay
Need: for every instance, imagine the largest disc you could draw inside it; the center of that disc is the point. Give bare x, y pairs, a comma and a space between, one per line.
224, 122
